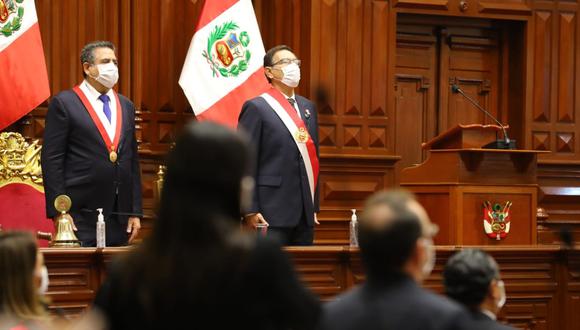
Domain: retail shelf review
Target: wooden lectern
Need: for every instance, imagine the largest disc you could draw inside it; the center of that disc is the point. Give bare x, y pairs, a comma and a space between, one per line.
459, 177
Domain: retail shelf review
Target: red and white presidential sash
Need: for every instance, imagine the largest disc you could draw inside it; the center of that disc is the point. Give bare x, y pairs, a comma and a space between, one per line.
299, 132
112, 146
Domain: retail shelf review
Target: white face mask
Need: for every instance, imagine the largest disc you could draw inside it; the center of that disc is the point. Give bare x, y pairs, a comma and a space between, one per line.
431, 256
43, 280
503, 297
291, 75
108, 74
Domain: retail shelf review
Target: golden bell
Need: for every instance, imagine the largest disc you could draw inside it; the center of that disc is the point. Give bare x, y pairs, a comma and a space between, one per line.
63, 225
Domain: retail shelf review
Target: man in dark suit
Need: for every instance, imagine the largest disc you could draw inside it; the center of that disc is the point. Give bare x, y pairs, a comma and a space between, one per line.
90, 151
395, 238
472, 278
283, 128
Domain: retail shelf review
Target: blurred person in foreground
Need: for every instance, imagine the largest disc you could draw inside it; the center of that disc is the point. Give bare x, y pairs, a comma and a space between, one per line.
198, 268
396, 247
23, 282
472, 278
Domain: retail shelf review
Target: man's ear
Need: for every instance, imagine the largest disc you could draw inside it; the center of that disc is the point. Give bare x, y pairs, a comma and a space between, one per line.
494, 290
268, 71
86, 67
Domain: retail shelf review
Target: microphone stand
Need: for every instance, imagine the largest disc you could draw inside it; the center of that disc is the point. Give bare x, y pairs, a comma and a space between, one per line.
506, 143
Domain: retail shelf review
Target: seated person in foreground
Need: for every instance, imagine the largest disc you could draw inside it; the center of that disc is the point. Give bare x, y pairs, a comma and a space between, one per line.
472, 278
23, 282
395, 238
197, 269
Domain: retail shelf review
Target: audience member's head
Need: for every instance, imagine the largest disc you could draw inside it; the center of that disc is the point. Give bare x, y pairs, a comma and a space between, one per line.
472, 278
395, 236
206, 178
23, 276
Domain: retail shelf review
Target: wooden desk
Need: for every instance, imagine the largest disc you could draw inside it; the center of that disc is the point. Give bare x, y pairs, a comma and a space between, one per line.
543, 283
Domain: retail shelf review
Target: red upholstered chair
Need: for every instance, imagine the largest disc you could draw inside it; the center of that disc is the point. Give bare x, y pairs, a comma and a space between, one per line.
22, 204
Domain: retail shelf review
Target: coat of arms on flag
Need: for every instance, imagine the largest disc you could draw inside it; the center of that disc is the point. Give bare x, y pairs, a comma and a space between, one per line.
223, 67
11, 13
496, 219
226, 51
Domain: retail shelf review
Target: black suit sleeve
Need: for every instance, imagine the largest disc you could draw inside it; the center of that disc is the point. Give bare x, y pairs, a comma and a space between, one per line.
251, 123
137, 207
54, 152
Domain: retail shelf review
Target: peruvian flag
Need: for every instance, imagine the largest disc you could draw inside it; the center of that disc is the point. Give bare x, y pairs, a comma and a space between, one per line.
23, 76
224, 64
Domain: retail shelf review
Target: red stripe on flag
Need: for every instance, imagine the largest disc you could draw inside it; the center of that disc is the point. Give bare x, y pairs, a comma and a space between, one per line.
212, 9
227, 110
23, 77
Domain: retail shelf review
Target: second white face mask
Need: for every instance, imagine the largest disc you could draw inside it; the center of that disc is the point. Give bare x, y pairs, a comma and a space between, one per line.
108, 74
431, 257
43, 280
503, 297
291, 75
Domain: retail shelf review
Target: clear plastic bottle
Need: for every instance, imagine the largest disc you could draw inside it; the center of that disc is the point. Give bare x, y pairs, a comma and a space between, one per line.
353, 229
101, 231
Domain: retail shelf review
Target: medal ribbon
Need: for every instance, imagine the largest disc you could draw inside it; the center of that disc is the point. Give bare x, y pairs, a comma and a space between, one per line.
297, 129
111, 145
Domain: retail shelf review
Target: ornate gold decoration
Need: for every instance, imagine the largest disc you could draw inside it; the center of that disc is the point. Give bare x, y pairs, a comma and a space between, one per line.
63, 224
301, 135
19, 161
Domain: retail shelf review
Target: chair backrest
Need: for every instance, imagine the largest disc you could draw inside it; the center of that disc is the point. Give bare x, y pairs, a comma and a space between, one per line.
22, 204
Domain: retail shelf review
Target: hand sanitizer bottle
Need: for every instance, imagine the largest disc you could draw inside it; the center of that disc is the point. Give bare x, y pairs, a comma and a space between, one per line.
101, 233
353, 229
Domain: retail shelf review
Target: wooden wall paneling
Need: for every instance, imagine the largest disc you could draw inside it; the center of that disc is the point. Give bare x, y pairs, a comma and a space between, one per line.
353, 119
415, 90
559, 195
345, 182
473, 59
571, 301
325, 273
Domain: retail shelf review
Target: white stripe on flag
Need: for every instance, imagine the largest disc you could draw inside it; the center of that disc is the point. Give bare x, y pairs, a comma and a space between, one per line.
29, 18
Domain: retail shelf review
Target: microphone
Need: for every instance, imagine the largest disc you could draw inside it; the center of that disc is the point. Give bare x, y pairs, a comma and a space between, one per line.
507, 143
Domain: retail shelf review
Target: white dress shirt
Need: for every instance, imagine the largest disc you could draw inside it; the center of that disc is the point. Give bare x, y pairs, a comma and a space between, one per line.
93, 96
295, 103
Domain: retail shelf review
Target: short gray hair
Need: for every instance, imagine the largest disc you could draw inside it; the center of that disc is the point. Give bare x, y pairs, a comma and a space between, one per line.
88, 52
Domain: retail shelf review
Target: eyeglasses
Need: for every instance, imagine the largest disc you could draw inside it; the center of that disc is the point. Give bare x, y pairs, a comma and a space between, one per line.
286, 61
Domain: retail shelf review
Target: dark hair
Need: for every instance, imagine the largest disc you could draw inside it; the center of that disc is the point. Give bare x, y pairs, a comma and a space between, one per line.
385, 248
269, 57
18, 297
88, 51
467, 276
196, 245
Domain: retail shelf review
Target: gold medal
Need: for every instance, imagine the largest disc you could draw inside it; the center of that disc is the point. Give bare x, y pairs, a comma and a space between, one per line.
113, 156
301, 135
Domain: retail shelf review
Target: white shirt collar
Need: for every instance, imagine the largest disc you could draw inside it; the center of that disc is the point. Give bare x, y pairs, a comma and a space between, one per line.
293, 96
489, 314
95, 93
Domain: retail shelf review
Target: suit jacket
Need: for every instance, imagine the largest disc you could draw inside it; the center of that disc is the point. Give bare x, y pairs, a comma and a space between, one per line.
75, 162
484, 322
282, 191
396, 303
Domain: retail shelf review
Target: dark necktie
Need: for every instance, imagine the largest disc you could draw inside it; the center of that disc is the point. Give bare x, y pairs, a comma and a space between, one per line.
106, 108
292, 102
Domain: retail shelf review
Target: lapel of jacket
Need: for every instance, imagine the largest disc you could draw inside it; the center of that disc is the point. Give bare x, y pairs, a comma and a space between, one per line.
302, 106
